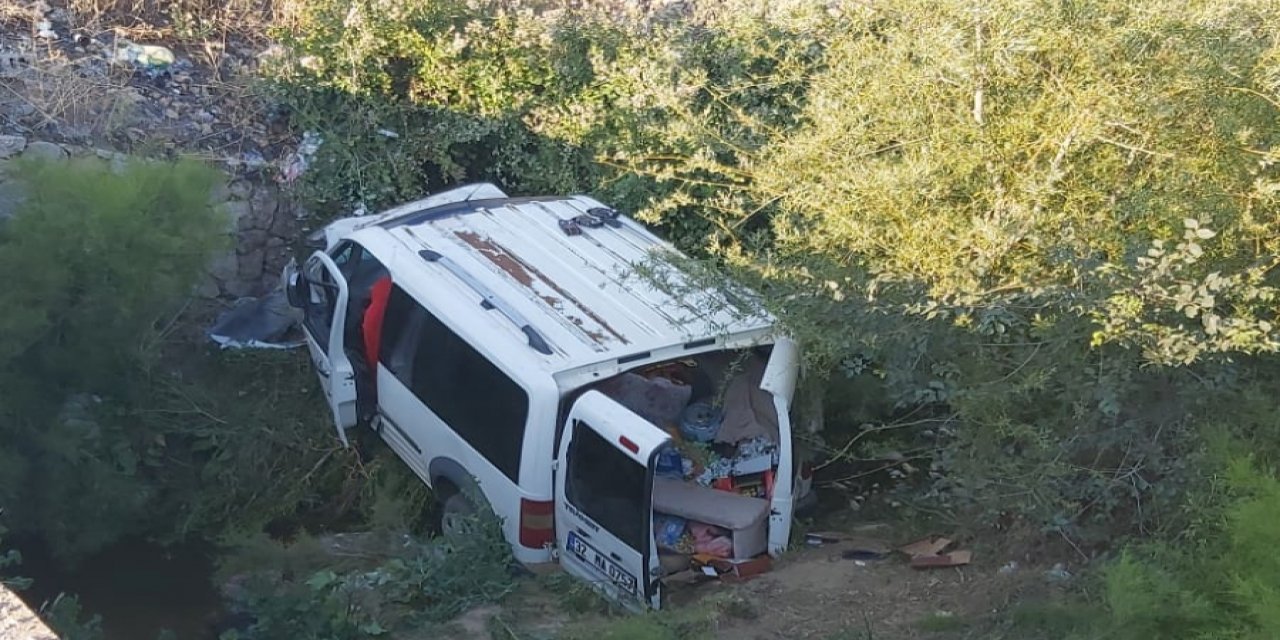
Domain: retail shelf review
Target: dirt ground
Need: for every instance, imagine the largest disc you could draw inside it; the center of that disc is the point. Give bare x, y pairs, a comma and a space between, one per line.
811, 593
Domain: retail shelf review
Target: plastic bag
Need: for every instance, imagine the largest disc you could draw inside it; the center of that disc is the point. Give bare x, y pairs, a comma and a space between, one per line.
711, 540
667, 530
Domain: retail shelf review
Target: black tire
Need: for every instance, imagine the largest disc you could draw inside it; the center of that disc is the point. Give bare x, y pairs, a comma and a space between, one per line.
457, 515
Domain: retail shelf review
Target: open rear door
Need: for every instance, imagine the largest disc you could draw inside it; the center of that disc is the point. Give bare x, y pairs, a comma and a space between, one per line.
779, 380
324, 321
604, 500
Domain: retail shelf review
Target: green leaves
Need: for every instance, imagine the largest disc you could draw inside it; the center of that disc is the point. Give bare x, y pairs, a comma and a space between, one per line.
95, 257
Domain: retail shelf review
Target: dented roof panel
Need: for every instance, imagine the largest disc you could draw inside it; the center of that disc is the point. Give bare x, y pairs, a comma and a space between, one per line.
584, 293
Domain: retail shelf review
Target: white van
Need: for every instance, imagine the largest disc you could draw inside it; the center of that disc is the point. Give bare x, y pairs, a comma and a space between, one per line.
507, 348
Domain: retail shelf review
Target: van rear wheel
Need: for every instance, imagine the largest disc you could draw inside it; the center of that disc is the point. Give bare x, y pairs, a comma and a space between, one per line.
457, 516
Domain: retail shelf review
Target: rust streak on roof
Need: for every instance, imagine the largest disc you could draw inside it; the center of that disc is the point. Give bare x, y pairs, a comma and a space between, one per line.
526, 274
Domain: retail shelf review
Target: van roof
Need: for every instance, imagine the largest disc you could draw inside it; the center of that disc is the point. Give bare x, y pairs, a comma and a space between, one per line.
605, 289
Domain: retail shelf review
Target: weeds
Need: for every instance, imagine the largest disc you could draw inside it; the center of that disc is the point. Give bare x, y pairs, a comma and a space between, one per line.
185, 20
942, 622
306, 593
86, 101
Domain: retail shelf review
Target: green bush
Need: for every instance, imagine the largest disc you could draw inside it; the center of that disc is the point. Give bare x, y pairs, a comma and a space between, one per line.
97, 262
420, 583
1214, 583
1036, 227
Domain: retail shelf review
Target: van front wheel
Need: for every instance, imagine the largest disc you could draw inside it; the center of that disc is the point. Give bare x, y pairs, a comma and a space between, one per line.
458, 516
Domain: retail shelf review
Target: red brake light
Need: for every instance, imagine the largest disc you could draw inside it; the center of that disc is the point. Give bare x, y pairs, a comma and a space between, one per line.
537, 523
628, 444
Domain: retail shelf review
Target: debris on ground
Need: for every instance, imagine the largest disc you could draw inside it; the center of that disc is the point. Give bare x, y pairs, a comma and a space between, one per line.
1009, 568
1058, 573
730, 570
865, 552
150, 58
927, 553
819, 538
925, 546
297, 162
942, 561
257, 323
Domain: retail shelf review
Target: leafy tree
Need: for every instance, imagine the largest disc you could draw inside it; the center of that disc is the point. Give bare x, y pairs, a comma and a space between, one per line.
1047, 229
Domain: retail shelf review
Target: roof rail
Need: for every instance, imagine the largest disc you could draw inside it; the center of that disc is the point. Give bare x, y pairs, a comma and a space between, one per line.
490, 301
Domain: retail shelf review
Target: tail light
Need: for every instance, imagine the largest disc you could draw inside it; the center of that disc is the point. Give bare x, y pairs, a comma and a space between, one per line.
537, 523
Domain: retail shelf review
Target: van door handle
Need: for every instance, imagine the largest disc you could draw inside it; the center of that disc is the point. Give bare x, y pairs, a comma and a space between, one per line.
324, 373
615, 556
584, 534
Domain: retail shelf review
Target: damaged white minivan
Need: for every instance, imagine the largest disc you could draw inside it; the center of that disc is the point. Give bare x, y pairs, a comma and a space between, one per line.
508, 349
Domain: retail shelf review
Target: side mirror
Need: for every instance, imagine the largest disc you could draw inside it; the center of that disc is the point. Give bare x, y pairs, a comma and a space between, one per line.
295, 290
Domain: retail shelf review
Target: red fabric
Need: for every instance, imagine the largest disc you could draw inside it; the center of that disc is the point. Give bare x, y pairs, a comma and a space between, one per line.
372, 323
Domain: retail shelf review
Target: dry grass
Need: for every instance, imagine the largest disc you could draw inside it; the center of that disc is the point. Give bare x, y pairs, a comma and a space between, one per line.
58, 92
188, 24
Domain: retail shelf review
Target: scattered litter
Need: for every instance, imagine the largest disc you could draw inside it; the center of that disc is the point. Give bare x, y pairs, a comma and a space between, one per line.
732, 570
256, 323
253, 160
387, 133
927, 553
1009, 568
298, 161
1058, 573
819, 538
925, 547
151, 58
44, 30
953, 559
860, 556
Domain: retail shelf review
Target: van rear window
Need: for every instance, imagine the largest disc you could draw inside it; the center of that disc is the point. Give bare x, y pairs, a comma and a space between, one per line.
455, 381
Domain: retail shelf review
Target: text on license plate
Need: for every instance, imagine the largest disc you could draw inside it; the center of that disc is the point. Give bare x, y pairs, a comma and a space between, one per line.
601, 563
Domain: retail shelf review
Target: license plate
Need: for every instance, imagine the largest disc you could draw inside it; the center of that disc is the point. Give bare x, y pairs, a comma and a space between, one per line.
604, 565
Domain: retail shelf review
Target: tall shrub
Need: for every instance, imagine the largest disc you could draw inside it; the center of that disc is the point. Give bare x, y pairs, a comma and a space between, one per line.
96, 262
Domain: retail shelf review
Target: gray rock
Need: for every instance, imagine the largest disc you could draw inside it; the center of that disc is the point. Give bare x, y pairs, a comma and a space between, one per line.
11, 146
223, 268
239, 215
11, 198
265, 205
241, 189
208, 288
251, 240
249, 265
285, 224
43, 150
220, 194
241, 288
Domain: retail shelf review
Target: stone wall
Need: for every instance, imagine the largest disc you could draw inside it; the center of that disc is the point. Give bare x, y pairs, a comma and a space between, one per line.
264, 223
262, 220
18, 621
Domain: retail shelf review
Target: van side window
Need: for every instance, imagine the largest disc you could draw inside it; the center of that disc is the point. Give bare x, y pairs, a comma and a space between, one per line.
484, 406
606, 485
